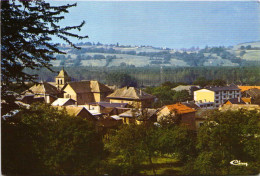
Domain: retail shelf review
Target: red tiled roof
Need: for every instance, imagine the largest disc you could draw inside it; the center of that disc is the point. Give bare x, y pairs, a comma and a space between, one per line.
244, 88
180, 108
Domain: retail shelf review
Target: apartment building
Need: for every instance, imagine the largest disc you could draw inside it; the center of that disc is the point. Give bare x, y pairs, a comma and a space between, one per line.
218, 95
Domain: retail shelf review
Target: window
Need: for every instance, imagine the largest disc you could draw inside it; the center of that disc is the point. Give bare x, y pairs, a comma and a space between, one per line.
217, 97
217, 101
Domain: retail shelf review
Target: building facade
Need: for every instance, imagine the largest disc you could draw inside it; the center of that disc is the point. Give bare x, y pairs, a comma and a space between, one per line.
218, 95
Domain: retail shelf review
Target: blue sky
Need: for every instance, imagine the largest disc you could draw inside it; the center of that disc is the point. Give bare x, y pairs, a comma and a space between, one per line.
171, 24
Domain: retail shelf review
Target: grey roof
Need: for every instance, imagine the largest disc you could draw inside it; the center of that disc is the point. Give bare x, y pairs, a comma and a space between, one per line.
184, 87
109, 105
138, 113
223, 88
191, 104
130, 93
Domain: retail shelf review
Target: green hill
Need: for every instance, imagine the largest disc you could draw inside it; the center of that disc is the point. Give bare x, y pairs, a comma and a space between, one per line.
248, 51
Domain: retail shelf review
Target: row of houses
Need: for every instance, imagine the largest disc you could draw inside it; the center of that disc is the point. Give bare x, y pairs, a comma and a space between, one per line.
109, 108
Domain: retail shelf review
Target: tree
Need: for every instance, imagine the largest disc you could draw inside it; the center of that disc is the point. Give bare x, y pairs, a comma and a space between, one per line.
242, 47
201, 81
127, 143
181, 96
248, 47
164, 95
43, 141
227, 136
27, 31
121, 79
218, 82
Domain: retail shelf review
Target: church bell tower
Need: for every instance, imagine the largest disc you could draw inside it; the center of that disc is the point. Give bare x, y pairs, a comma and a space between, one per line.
62, 79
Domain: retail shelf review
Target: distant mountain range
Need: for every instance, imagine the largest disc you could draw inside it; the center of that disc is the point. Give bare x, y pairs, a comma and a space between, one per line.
140, 56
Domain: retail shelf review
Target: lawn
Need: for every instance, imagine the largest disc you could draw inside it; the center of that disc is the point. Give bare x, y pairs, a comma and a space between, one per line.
163, 166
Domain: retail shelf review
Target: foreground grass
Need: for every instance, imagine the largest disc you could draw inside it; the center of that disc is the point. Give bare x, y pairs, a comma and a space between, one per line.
163, 166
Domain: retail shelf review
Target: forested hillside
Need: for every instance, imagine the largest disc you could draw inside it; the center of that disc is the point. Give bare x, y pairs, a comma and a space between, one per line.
100, 55
152, 76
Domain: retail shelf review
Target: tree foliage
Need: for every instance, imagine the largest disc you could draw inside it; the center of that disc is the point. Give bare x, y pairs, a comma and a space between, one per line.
227, 136
121, 79
134, 144
44, 141
27, 29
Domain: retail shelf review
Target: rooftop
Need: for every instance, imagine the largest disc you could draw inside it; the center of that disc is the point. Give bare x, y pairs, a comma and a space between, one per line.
180, 108
108, 104
230, 87
138, 113
244, 88
61, 101
236, 101
88, 86
62, 74
43, 88
130, 93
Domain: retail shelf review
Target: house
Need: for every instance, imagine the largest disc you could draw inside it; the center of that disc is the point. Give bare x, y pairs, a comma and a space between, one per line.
189, 88
217, 95
191, 104
86, 91
108, 123
245, 88
43, 90
185, 113
29, 99
201, 116
78, 111
133, 96
99, 106
234, 101
139, 116
251, 93
199, 104
236, 107
63, 102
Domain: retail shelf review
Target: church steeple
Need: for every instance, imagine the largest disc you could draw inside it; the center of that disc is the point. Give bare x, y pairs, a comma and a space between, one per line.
62, 79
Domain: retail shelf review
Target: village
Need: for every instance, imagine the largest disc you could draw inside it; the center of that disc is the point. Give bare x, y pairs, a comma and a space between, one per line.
109, 107
130, 88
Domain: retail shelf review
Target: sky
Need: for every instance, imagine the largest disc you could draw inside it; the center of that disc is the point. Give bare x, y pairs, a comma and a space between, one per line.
172, 24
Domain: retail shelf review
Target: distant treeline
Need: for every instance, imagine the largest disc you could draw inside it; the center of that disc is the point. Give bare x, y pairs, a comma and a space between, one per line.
154, 76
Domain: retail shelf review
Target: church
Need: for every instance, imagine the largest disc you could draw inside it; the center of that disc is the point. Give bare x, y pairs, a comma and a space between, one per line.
82, 92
